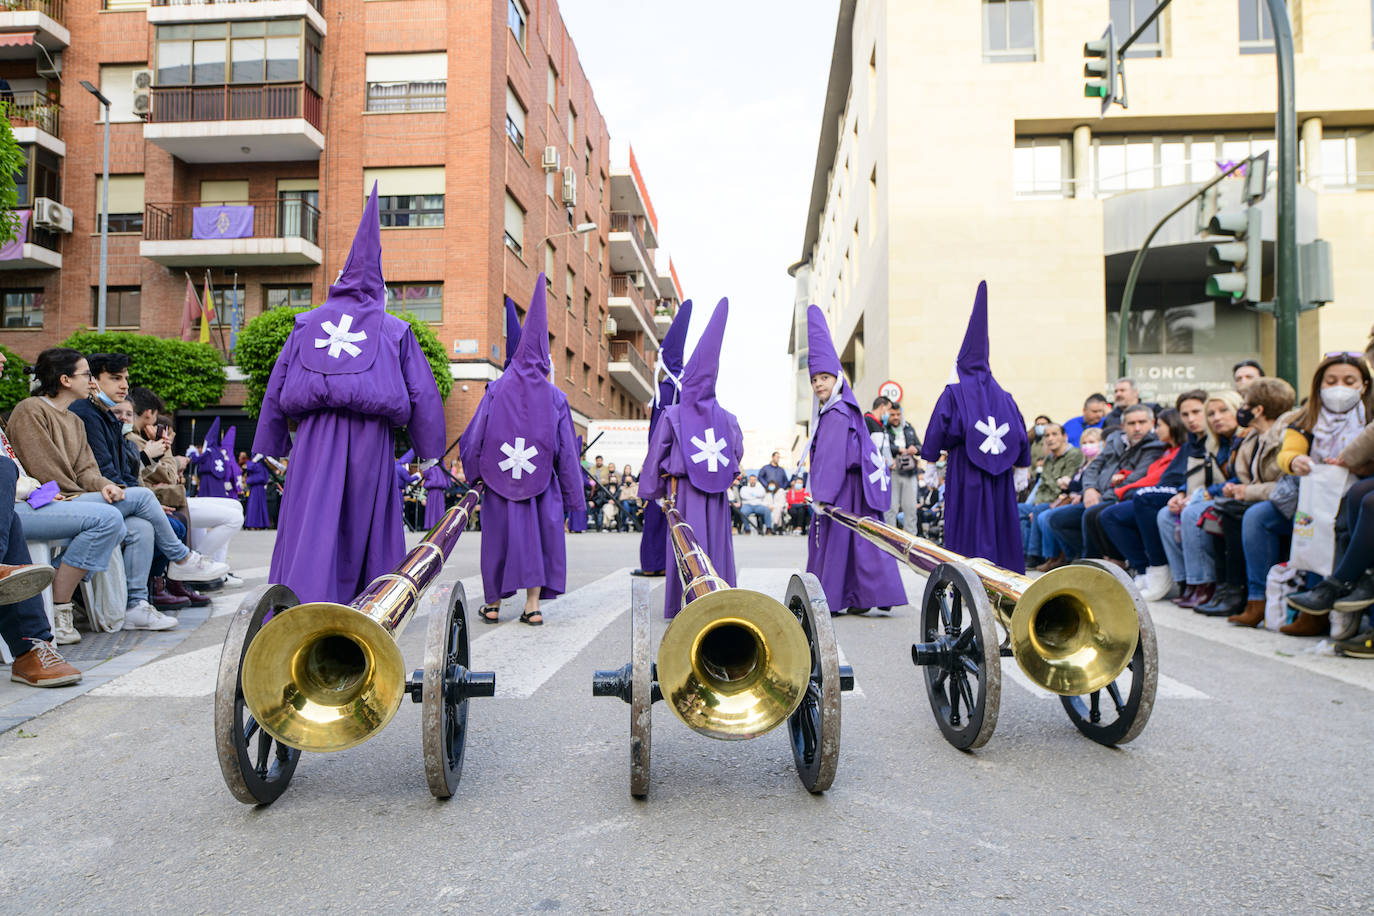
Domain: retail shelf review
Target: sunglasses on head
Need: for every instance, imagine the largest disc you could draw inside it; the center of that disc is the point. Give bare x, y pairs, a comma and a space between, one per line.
1348, 353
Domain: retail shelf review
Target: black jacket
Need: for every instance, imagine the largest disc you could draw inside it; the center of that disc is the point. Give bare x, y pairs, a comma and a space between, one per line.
111, 449
903, 438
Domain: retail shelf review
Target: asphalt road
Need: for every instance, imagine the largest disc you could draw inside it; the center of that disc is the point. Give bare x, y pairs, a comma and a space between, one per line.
1242, 793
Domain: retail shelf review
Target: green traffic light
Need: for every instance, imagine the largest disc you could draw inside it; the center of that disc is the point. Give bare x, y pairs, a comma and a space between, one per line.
1095, 90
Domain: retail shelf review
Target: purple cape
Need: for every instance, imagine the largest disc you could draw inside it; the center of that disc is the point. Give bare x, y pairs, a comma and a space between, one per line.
219, 472
340, 524
700, 422
436, 482
653, 543
833, 456
257, 477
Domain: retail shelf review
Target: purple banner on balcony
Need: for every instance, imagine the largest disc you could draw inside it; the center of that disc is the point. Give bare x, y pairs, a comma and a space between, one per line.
13, 251
222, 223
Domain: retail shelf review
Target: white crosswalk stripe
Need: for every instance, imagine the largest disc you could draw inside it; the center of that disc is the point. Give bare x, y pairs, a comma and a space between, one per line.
1169, 688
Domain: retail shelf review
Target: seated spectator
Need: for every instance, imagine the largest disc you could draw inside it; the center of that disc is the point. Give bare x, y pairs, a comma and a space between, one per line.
158, 595
753, 503
1251, 526
52, 443
736, 517
1245, 372
1186, 546
773, 472
1125, 393
798, 512
1059, 463
776, 500
1094, 409
1036, 434
630, 517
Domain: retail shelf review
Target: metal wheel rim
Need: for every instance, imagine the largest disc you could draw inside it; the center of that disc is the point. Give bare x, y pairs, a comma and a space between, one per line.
814, 728
258, 776
641, 687
954, 596
1132, 708
443, 720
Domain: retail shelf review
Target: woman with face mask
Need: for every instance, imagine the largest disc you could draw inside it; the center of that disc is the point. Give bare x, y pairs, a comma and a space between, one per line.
1036, 434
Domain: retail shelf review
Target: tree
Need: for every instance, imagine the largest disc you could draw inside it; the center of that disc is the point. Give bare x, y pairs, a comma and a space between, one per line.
14, 380
182, 373
261, 340
12, 161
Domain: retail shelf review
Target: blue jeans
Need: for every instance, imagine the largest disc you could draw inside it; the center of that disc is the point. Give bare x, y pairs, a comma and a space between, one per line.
147, 528
1191, 555
1030, 529
94, 529
1066, 523
761, 511
1263, 529
1133, 527
23, 620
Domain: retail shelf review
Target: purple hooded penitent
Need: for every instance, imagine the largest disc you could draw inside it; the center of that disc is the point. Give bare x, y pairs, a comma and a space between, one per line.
349, 374
520, 443
979, 426
512, 331
698, 444
403, 476
215, 465
846, 471
576, 511
653, 542
257, 476
436, 481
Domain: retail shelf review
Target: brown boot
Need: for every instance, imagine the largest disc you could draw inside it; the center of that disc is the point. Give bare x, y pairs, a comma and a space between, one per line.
1307, 625
41, 666
1202, 594
1053, 563
1252, 616
1185, 595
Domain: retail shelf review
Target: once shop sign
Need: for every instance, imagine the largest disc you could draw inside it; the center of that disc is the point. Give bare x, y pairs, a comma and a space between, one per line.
1163, 378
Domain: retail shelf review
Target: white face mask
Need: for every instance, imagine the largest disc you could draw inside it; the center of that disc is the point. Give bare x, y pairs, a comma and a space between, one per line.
1340, 399
127, 428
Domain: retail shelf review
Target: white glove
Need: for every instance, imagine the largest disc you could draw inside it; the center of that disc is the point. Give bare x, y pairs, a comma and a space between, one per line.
1021, 478
427, 464
930, 476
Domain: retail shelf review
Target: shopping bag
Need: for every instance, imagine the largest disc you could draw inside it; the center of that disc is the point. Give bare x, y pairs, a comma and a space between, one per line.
1281, 582
1314, 522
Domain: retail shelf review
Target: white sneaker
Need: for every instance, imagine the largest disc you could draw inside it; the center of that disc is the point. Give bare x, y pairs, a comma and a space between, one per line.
196, 568
143, 616
63, 626
232, 581
1158, 582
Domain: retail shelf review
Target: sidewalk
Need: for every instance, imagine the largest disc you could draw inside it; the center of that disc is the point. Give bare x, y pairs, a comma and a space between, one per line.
102, 657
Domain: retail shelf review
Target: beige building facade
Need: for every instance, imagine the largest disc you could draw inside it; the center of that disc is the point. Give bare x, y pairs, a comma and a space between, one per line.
956, 146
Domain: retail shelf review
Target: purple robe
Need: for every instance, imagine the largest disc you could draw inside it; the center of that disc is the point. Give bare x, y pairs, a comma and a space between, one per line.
257, 478
436, 482
219, 472
653, 541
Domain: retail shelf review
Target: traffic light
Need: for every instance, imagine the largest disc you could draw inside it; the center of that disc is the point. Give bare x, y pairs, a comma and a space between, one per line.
1243, 254
1101, 69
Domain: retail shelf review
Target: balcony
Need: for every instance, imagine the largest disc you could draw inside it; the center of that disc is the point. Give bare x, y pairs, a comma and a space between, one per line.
630, 371
628, 192
627, 306
629, 255
269, 122
168, 12
277, 232
32, 249
664, 313
37, 121
25, 23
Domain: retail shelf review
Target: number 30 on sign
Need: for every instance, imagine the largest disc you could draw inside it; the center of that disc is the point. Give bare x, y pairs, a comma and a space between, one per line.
891, 390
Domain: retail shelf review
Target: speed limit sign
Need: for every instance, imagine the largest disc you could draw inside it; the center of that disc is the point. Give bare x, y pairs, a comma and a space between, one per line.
891, 390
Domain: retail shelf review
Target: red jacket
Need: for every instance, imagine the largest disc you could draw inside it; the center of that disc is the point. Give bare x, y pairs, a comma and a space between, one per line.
1152, 474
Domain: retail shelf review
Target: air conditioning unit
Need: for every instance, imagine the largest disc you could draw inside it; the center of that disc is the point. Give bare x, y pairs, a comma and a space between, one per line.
611, 327
570, 186
49, 214
550, 159
143, 92
637, 278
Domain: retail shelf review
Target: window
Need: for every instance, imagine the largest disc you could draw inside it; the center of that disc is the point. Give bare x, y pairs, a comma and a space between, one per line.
22, 308
586, 309
1256, 28
515, 225
296, 295
233, 192
423, 300
568, 364
515, 119
408, 196
872, 88
1040, 167
568, 289
407, 82
1009, 30
586, 378
248, 51
572, 127
122, 306
40, 176
126, 203
117, 85
1127, 15
588, 166
552, 92
873, 204
515, 18
551, 184
1341, 152
548, 266
298, 209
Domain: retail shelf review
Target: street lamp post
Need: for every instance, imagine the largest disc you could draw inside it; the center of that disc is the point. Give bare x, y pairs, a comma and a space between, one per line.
104, 212
582, 229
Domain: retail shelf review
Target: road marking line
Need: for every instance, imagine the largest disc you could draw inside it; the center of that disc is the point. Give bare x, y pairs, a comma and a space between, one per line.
1168, 687
191, 674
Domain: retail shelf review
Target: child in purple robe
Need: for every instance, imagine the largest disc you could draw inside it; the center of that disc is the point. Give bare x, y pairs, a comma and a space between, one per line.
653, 541
219, 472
846, 471
436, 482
980, 428
521, 445
348, 375
698, 444
257, 476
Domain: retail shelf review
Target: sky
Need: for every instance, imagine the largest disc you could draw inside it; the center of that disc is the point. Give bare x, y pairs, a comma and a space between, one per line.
722, 103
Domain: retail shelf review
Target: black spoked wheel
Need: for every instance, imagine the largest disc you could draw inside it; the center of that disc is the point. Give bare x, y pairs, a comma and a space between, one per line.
815, 726
257, 768
961, 657
641, 686
1119, 712
444, 715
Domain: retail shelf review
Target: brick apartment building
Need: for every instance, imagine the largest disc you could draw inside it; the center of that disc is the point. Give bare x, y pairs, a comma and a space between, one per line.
246, 134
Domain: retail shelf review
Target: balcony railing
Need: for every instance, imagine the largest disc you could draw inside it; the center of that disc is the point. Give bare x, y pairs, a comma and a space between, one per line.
622, 351
625, 222
32, 108
314, 3
622, 288
51, 8
236, 102
273, 218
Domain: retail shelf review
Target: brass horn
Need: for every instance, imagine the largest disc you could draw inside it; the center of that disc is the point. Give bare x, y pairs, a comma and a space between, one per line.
734, 663
1072, 631
326, 676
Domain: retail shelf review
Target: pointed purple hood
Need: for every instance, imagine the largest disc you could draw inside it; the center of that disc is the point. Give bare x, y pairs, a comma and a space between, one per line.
838, 425
211, 440
344, 334
228, 443
512, 331
521, 433
669, 364
993, 431
702, 424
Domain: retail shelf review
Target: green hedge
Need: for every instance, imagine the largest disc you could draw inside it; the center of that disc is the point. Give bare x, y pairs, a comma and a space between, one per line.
261, 340
185, 374
14, 381
12, 162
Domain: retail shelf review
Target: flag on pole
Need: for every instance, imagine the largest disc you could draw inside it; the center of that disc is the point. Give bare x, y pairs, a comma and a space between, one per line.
190, 311
207, 313
235, 317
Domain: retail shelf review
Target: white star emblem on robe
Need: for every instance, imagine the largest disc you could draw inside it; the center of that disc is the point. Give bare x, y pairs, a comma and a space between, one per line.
341, 337
994, 433
518, 458
879, 473
712, 450
219, 466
